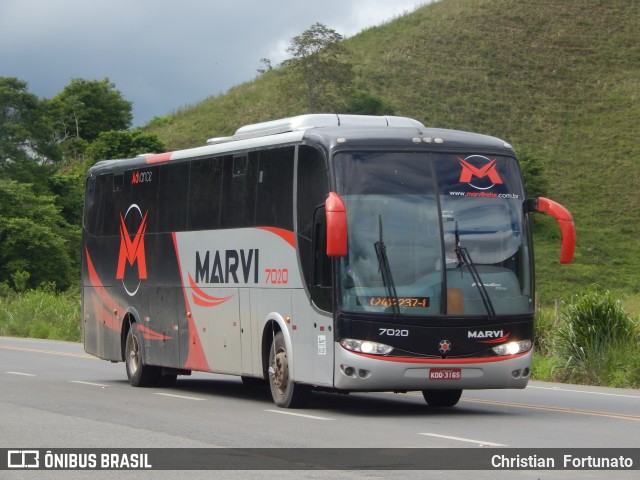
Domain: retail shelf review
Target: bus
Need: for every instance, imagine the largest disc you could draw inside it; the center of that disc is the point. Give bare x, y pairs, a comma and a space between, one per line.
331, 252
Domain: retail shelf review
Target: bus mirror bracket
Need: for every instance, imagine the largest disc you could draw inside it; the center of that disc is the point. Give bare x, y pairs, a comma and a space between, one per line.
336, 226
565, 222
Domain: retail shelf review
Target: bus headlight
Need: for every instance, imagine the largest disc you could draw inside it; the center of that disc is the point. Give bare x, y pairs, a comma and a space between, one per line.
513, 348
366, 346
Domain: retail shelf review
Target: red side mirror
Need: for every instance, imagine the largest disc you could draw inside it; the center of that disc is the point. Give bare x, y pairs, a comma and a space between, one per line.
336, 226
567, 227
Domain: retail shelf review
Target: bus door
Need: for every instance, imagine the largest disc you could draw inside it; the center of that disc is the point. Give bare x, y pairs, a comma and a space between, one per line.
162, 328
246, 332
222, 327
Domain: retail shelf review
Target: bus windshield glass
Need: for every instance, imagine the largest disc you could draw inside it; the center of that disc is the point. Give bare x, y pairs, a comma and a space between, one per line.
433, 234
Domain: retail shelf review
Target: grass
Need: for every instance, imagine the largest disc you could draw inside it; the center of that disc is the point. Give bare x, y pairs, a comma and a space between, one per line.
41, 314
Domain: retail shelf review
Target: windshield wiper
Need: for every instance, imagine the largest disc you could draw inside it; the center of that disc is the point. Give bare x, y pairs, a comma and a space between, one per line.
385, 269
465, 258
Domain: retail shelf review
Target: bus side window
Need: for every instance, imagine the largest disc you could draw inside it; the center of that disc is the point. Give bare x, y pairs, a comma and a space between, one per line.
89, 214
118, 181
174, 197
205, 191
238, 191
322, 278
312, 187
112, 196
274, 189
143, 183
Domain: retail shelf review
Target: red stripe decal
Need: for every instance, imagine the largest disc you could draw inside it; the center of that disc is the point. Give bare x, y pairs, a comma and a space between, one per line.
196, 359
159, 157
287, 235
441, 361
496, 340
202, 299
151, 335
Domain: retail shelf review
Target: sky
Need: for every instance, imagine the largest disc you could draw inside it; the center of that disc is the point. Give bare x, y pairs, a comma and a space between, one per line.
164, 55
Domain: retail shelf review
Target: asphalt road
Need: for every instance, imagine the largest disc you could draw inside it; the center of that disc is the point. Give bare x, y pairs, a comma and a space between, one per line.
53, 395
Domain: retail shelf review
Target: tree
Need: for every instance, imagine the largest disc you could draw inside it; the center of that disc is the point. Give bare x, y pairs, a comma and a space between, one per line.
362, 102
85, 108
35, 240
124, 144
68, 189
318, 63
26, 130
536, 184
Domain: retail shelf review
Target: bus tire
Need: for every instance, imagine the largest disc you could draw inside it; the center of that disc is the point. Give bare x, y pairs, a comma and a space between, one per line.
442, 398
139, 374
285, 392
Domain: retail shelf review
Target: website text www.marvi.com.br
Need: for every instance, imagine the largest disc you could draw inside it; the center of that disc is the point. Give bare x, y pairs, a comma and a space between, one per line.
485, 194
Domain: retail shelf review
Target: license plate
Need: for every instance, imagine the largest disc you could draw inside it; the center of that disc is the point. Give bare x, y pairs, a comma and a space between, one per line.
445, 374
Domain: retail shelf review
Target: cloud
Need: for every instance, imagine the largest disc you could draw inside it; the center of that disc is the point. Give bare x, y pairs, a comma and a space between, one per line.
163, 54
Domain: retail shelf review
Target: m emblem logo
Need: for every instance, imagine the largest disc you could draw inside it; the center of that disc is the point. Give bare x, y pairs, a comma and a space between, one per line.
132, 251
487, 176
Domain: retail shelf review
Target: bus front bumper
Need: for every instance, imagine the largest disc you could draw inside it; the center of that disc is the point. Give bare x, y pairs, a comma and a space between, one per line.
360, 372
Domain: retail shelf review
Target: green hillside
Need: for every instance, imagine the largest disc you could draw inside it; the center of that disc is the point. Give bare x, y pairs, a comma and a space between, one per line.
561, 77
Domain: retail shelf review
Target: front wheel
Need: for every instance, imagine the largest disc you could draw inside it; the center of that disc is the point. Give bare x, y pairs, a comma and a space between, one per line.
139, 374
285, 392
442, 398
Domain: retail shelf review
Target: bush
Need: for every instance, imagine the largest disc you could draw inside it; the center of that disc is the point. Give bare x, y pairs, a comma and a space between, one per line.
535, 182
41, 313
544, 331
598, 342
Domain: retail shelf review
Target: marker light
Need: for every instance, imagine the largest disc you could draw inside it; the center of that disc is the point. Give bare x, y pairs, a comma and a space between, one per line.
366, 346
513, 348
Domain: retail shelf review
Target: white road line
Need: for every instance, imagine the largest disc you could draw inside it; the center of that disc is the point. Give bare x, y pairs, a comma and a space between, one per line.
468, 440
48, 352
21, 373
312, 417
558, 389
89, 383
177, 396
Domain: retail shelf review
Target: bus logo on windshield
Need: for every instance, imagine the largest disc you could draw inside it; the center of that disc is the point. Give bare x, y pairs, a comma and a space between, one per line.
132, 251
485, 174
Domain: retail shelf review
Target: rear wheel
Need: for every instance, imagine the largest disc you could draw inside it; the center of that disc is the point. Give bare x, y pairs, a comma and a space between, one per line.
139, 374
285, 392
442, 398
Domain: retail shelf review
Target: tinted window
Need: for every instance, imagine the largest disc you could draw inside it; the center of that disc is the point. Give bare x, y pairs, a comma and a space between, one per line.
143, 183
205, 191
274, 199
238, 191
312, 190
113, 198
173, 201
90, 210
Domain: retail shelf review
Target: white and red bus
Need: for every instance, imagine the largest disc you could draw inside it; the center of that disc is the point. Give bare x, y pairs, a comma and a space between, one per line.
333, 252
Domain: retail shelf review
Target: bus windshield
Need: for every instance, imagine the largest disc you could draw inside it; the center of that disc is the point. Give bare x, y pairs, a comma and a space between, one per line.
433, 234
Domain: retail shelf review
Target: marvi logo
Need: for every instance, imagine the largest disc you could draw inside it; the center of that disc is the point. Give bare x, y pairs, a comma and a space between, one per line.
132, 251
487, 176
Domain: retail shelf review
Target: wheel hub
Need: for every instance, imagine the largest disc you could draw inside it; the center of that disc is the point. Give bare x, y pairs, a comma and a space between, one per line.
134, 356
280, 371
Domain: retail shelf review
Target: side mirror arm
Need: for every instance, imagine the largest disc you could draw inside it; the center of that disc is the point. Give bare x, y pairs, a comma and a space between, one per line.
565, 221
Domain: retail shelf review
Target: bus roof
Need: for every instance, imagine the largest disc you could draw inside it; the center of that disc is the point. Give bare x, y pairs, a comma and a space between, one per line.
318, 120
329, 130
